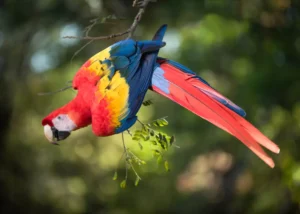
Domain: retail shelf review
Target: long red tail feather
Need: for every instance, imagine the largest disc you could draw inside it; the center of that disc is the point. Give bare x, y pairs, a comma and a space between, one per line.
194, 95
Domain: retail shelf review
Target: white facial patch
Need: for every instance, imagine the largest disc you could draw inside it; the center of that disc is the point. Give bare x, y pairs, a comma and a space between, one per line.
63, 123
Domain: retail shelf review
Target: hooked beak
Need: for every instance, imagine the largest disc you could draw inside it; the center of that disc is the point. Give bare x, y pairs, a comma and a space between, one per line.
53, 135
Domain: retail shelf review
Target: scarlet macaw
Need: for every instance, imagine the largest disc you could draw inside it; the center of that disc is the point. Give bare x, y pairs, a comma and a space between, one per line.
112, 84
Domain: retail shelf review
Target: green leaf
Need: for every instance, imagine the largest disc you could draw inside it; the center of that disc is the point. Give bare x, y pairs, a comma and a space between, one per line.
158, 137
146, 138
164, 139
155, 123
140, 145
147, 103
172, 140
160, 140
159, 159
136, 138
115, 176
160, 122
137, 135
156, 152
129, 160
167, 166
153, 142
123, 184
151, 132
137, 180
145, 131
164, 122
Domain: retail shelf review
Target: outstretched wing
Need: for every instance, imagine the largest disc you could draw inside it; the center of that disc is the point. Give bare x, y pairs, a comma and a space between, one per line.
124, 76
181, 85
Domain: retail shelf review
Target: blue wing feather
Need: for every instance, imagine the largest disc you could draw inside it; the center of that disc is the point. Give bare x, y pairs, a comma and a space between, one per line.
124, 48
139, 80
149, 46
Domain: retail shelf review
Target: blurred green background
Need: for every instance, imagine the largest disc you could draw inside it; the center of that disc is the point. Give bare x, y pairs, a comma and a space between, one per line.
248, 50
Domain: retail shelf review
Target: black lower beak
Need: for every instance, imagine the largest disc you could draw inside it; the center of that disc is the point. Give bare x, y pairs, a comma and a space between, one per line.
63, 135
60, 135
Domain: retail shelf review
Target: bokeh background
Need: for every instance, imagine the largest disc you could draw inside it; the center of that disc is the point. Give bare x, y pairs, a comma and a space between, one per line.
248, 50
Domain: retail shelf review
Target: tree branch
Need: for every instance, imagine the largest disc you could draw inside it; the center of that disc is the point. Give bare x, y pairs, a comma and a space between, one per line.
130, 31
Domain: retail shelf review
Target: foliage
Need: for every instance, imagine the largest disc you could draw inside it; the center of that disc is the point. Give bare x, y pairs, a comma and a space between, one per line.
146, 134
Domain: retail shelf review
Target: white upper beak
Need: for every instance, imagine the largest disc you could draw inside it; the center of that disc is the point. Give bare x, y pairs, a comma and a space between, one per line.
48, 133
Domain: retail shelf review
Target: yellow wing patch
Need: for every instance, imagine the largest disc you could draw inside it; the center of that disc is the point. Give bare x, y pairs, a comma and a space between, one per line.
116, 94
95, 65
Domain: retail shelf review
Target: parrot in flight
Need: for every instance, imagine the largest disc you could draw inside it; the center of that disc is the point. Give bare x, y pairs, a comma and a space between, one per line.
112, 84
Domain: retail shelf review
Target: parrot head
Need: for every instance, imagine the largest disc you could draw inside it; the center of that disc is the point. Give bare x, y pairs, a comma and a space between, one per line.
58, 126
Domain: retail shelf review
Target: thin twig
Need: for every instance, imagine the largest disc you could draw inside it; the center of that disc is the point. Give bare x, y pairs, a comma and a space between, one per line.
126, 155
140, 122
139, 15
54, 92
128, 131
119, 163
80, 49
133, 169
136, 174
99, 37
135, 156
89, 28
69, 81
100, 20
121, 159
130, 31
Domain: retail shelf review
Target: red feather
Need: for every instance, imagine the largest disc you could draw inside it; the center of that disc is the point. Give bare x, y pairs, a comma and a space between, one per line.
189, 93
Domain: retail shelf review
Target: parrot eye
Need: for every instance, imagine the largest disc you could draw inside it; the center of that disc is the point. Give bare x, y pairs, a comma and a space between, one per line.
62, 123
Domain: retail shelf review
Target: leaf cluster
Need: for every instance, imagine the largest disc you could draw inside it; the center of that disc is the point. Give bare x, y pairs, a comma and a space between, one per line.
160, 143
